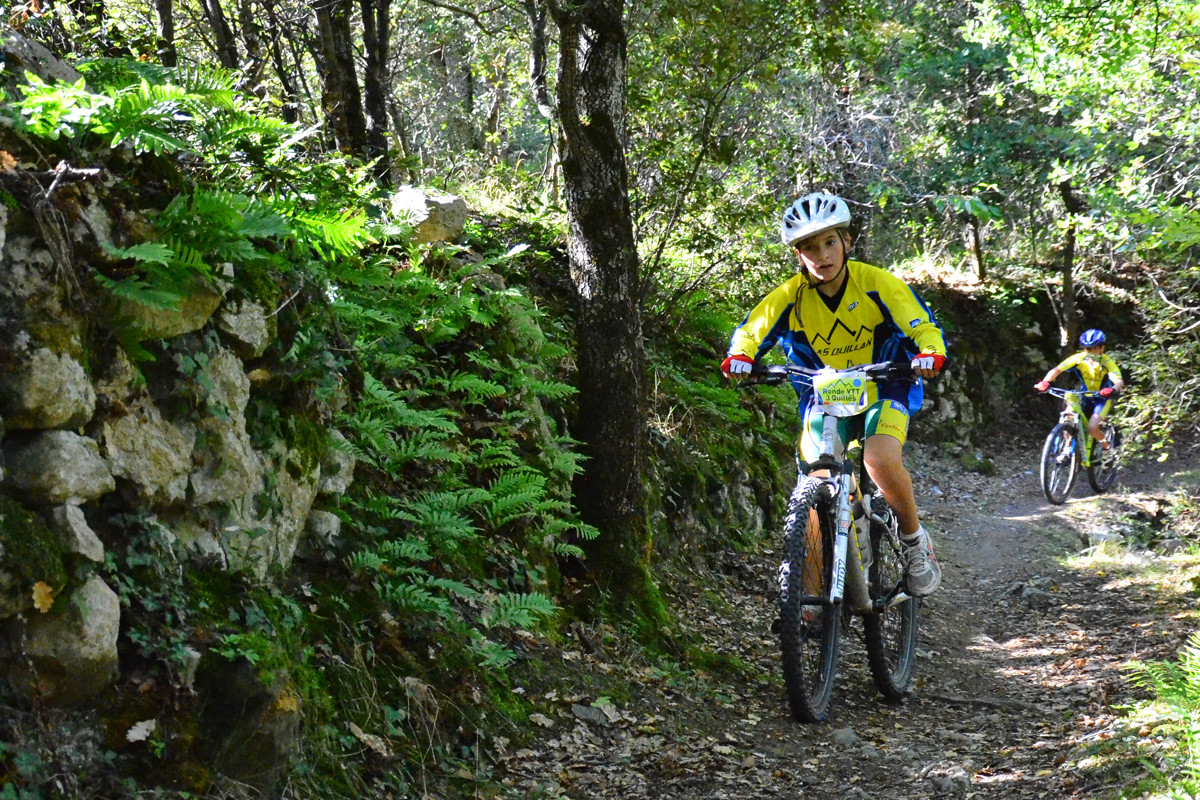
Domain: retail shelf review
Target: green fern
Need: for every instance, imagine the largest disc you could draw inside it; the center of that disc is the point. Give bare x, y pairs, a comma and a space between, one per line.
519, 611
476, 388
515, 494
135, 290
491, 655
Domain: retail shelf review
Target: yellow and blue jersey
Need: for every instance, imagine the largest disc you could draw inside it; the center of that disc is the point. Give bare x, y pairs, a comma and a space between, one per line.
876, 317
1094, 371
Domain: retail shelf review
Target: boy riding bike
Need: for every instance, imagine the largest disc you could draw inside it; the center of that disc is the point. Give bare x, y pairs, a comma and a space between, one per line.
841, 313
1097, 372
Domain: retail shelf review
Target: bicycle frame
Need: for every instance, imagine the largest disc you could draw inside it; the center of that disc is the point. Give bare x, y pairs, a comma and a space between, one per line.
849, 582
1072, 414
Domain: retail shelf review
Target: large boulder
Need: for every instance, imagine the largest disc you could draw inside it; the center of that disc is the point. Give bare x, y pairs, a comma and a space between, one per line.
24, 57
72, 649
153, 454
46, 390
56, 468
435, 217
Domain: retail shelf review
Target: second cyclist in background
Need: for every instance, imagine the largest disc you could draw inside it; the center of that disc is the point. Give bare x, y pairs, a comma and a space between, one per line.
1097, 372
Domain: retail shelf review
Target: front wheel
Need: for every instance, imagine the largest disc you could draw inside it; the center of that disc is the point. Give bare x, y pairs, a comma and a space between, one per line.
1059, 463
810, 626
1102, 472
890, 631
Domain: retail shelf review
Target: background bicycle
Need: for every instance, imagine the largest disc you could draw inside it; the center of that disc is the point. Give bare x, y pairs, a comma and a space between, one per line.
1069, 448
841, 554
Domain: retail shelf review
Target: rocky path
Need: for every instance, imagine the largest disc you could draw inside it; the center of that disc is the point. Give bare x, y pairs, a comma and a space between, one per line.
1021, 655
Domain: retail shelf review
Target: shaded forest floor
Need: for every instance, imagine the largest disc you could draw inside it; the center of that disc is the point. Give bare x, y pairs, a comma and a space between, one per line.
1019, 680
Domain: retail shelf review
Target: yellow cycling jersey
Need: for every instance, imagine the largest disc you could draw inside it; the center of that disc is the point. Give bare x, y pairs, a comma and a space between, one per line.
1092, 370
877, 317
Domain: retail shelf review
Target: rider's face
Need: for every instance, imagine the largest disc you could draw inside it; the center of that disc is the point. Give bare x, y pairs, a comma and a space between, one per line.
822, 254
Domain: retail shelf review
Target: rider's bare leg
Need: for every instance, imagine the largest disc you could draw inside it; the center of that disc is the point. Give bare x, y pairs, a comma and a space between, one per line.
883, 457
1094, 428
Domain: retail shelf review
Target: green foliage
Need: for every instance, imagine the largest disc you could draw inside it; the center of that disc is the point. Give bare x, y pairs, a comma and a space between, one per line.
151, 109
156, 593
1176, 708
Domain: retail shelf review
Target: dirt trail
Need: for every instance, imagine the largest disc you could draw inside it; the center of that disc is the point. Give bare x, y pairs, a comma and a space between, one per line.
1019, 670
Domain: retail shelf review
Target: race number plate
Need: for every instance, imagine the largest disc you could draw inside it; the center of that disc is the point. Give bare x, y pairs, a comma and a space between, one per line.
842, 394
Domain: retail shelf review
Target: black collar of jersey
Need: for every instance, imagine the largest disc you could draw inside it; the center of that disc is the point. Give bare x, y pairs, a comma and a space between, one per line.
833, 301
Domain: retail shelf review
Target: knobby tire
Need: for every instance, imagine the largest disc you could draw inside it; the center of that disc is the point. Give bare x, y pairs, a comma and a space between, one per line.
810, 648
891, 634
1102, 472
1059, 463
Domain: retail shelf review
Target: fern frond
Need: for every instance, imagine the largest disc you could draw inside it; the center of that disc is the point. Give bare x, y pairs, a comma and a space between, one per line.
441, 526
519, 610
214, 83
490, 455
379, 397
477, 389
552, 390
135, 290
405, 551
253, 127
492, 655
422, 447
328, 235
455, 500
515, 494
413, 599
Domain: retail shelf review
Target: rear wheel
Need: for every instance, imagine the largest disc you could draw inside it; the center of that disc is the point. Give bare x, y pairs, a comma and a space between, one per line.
810, 626
1102, 472
891, 632
1059, 463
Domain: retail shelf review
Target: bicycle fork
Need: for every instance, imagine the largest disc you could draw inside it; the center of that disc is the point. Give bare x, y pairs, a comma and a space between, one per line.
849, 577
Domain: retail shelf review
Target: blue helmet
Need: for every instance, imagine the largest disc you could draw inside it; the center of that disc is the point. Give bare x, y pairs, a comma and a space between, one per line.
1091, 338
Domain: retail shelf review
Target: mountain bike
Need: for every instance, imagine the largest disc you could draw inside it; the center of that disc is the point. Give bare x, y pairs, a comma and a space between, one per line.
1062, 455
841, 554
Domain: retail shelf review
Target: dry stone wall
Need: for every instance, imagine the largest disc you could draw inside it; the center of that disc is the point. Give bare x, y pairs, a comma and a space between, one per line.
93, 444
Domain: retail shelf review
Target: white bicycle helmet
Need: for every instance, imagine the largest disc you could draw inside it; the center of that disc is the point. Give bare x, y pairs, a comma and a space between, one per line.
811, 214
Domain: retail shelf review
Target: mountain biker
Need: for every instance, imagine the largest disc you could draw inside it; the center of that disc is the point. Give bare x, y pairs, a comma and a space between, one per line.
1097, 372
840, 313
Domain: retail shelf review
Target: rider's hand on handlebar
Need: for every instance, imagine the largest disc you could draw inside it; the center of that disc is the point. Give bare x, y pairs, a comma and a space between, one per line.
1106, 391
928, 365
737, 366
1042, 386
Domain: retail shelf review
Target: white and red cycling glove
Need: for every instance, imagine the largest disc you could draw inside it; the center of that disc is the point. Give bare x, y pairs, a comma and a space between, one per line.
1042, 386
736, 364
1106, 391
933, 361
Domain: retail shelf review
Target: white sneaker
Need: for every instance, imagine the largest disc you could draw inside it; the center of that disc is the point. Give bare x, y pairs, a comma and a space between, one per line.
920, 565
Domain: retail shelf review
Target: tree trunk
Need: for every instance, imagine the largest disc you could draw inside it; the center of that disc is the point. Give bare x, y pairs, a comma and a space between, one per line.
376, 33
604, 270
291, 96
340, 96
222, 34
535, 11
1074, 206
256, 58
168, 56
977, 247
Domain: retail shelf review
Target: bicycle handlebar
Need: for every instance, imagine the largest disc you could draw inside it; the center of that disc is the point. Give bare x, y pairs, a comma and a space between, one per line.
773, 374
1064, 393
